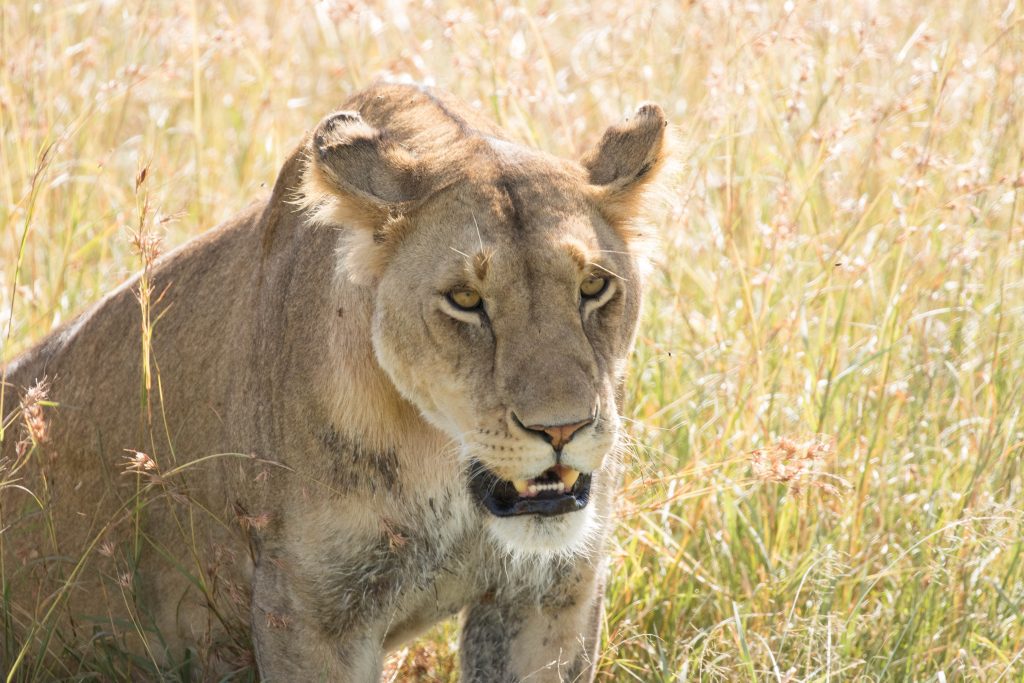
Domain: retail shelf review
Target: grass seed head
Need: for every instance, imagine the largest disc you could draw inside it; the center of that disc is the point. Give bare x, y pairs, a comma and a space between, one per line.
254, 522
32, 411
140, 463
797, 463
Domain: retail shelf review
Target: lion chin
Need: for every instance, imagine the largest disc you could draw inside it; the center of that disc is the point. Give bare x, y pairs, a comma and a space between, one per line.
536, 536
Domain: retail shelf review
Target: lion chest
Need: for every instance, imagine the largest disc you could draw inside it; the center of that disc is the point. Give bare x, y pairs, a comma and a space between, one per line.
414, 568
390, 545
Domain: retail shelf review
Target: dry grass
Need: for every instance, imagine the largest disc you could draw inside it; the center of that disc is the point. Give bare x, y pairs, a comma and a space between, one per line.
843, 266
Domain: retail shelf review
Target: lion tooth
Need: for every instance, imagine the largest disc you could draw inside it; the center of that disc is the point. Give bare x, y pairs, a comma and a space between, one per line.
569, 477
521, 485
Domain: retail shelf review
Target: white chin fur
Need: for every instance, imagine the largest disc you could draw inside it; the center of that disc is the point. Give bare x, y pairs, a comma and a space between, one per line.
531, 535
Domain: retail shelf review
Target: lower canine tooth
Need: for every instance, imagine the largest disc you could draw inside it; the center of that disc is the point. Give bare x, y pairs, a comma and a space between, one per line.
520, 485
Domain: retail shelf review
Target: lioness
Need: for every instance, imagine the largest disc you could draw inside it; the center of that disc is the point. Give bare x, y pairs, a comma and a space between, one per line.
387, 394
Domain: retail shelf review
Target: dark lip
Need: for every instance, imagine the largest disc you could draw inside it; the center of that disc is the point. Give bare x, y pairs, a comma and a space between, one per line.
500, 498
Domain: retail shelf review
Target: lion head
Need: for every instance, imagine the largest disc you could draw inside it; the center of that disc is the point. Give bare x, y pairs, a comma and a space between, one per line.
507, 289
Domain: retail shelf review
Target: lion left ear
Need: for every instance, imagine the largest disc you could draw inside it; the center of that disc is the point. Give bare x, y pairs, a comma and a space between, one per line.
622, 165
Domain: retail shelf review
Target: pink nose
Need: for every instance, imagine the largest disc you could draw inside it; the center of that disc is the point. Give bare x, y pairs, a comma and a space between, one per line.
559, 435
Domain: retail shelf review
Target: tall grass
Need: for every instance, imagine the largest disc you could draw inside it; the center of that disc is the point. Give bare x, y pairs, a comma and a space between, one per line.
826, 395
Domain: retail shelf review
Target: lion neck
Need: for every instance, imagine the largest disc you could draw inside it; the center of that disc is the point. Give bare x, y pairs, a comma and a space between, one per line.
362, 395
337, 368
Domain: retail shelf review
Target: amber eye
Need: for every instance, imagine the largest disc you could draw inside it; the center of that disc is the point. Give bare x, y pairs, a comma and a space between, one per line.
593, 286
464, 299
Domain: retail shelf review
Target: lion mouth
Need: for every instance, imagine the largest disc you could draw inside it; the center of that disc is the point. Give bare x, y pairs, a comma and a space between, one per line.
556, 491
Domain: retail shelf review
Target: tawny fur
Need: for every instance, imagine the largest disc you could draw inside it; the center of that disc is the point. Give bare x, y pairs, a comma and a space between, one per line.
306, 346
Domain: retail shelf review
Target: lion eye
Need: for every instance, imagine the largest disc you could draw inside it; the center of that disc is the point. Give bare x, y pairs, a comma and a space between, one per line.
593, 286
464, 299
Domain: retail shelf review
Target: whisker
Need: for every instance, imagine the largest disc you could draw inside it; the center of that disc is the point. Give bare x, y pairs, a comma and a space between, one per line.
610, 272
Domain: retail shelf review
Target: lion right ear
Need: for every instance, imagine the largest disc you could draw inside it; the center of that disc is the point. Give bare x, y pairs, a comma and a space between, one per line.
359, 178
371, 175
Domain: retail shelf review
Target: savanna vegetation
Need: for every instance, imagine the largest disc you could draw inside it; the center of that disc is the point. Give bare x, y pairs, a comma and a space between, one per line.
826, 477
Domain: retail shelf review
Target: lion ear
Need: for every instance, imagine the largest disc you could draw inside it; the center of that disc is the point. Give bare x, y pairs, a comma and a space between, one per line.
373, 176
622, 165
357, 177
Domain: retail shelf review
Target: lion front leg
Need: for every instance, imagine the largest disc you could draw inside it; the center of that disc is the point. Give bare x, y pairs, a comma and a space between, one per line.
550, 636
292, 642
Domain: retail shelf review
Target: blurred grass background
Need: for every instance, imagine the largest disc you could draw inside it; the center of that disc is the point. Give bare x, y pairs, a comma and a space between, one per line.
826, 395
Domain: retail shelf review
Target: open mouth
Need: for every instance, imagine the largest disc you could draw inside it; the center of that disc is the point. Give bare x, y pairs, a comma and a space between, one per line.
556, 491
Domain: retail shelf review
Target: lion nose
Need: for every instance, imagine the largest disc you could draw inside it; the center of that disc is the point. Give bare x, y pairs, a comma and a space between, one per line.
558, 435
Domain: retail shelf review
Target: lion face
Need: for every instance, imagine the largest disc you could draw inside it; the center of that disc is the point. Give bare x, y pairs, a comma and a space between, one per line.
506, 304
506, 316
